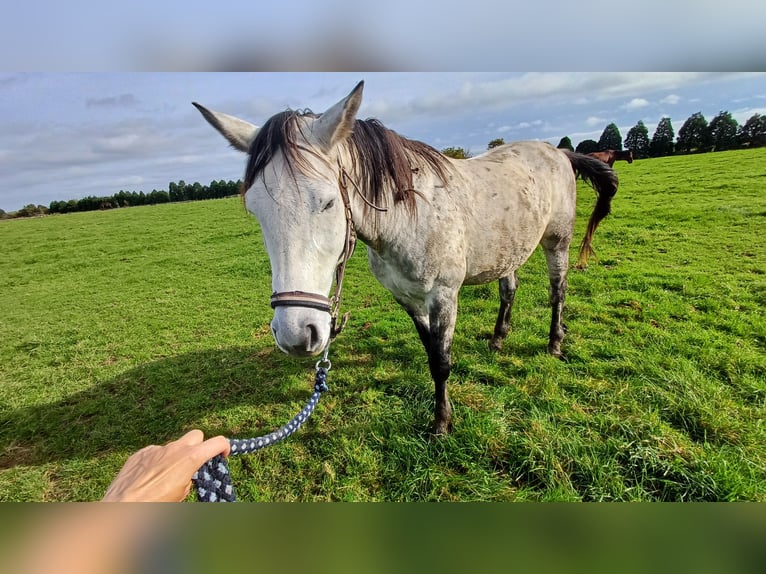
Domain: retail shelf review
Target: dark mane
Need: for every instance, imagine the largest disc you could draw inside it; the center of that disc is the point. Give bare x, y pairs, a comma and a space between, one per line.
382, 160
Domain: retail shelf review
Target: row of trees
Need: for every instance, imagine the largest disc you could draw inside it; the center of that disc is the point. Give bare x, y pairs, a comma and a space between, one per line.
180, 191
695, 136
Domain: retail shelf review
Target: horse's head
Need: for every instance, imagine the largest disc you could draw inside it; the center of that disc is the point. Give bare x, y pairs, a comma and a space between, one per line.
291, 186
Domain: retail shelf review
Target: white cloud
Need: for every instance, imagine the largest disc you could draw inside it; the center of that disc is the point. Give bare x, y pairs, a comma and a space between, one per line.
742, 115
594, 121
636, 103
671, 99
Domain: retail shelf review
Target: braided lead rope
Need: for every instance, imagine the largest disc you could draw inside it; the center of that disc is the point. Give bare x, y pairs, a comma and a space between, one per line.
213, 480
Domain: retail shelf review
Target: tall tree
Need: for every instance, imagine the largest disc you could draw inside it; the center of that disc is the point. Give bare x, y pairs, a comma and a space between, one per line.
662, 140
456, 153
587, 146
610, 138
637, 140
176, 190
723, 131
753, 133
694, 135
565, 143
495, 143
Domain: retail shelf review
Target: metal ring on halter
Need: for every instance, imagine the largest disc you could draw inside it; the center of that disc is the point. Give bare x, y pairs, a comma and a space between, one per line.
324, 362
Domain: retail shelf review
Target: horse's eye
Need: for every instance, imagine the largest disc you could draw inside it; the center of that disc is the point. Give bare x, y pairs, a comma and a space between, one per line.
328, 205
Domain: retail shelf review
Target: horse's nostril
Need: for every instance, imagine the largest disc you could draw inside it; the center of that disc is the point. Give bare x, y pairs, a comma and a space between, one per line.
313, 336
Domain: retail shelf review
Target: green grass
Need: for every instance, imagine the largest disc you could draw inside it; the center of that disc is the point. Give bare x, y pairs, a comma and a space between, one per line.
124, 328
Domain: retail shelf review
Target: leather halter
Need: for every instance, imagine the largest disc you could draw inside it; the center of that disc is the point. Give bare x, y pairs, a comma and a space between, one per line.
329, 305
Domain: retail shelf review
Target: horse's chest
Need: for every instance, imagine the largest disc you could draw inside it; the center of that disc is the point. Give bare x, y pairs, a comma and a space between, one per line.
409, 280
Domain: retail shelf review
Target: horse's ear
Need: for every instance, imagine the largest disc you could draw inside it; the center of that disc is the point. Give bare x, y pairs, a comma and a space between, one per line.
239, 133
337, 123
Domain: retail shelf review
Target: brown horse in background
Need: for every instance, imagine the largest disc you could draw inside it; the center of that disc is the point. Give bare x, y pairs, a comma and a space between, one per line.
609, 156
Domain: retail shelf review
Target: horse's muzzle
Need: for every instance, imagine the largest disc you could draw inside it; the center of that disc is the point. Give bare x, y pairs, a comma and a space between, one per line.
301, 324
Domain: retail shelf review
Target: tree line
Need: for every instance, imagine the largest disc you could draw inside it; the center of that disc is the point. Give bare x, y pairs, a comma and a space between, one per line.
180, 191
695, 136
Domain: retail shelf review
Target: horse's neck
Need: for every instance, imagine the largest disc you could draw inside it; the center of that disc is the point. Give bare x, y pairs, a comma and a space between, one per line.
362, 216
378, 226
390, 224
370, 227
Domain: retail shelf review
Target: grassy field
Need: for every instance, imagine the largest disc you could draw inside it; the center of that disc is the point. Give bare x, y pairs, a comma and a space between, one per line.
124, 328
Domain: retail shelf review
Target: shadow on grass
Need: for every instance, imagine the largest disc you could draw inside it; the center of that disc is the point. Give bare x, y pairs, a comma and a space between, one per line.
237, 392
156, 402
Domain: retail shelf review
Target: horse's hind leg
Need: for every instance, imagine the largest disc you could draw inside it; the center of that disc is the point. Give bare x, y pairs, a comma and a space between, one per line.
557, 256
508, 287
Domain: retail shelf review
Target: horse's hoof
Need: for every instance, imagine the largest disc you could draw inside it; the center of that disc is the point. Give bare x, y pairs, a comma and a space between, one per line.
555, 352
440, 428
495, 345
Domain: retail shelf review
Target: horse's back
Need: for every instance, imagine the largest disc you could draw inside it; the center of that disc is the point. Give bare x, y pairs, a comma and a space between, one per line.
530, 178
521, 192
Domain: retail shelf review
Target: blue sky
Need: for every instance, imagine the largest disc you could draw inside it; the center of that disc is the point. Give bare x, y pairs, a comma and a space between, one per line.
68, 135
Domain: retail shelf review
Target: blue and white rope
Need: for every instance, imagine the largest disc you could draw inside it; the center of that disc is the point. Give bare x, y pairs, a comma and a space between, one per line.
213, 481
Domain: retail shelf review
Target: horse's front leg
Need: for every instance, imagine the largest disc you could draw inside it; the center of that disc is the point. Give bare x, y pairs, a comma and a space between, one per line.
439, 365
442, 314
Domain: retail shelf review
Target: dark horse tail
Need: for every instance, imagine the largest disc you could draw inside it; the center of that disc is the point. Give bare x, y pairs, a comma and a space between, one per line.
604, 180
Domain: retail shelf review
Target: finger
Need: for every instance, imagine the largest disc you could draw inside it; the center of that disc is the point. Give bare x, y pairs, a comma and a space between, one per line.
212, 447
191, 438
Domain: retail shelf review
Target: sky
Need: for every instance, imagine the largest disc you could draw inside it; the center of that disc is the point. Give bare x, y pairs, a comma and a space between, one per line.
69, 135
438, 35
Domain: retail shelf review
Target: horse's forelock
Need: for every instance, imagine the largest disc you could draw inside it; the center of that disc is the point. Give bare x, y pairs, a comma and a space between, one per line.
278, 134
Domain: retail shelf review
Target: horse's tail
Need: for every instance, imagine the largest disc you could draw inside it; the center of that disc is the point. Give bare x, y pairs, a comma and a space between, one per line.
604, 180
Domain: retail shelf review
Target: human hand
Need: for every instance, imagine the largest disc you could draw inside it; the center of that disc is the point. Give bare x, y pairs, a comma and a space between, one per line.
163, 473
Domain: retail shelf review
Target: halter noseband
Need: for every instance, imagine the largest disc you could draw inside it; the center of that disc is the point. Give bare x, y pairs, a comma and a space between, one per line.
329, 305
301, 299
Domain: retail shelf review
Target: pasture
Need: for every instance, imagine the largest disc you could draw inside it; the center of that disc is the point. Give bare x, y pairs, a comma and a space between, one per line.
128, 327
